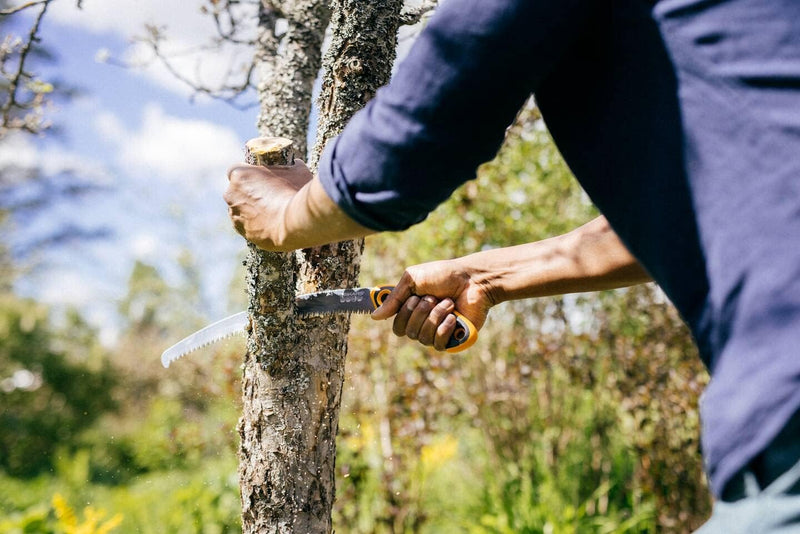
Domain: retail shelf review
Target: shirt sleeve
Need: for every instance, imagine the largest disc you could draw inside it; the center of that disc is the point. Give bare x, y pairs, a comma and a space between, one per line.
447, 107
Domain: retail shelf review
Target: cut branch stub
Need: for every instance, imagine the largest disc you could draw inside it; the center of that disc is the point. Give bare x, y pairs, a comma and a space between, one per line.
270, 275
266, 151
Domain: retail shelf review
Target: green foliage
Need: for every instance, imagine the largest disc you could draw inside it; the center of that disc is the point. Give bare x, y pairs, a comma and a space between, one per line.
93, 522
575, 473
47, 398
152, 304
203, 500
169, 436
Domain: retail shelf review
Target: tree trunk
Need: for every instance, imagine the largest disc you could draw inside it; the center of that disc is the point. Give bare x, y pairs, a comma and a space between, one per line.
294, 366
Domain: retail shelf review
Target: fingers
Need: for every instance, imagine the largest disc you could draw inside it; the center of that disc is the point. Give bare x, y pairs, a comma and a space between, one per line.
432, 332
444, 332
427, 320
412, 315
258, 198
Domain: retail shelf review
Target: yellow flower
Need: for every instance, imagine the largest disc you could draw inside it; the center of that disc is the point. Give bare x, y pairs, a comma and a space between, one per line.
93, 518
437, 453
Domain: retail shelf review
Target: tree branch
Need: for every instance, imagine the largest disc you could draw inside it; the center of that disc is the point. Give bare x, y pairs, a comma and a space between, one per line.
414, 15
230, 22
30, 122
228, 93
22, 7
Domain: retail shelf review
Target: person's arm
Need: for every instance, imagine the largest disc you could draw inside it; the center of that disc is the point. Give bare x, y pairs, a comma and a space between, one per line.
589, 258
444, 113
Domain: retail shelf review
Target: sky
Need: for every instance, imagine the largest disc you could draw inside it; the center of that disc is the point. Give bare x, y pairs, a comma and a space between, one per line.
160, 156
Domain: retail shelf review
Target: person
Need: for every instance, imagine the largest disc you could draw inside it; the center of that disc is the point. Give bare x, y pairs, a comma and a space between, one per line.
680, 119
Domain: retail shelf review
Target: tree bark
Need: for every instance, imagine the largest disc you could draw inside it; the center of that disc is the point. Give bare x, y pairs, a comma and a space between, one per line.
288, 66
358, 61
294, 366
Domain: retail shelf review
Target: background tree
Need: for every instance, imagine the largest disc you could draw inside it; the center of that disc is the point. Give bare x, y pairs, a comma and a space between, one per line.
27, 97
47, 396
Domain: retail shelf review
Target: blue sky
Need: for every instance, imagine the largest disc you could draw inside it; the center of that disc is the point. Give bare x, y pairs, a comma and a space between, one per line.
161, 156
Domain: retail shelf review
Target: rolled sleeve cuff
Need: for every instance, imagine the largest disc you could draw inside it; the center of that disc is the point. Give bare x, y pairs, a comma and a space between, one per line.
383, 210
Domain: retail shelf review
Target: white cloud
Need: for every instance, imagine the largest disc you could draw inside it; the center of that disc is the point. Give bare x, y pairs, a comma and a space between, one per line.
180, 149
144, 246
127, 17
172, 148
67, 286
21, 151
18, 150
109, 127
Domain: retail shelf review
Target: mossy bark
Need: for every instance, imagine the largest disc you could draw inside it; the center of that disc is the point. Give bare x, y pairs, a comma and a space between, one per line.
294, 367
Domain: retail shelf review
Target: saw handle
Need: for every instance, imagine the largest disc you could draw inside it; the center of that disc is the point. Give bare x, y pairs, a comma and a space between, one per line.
464, 336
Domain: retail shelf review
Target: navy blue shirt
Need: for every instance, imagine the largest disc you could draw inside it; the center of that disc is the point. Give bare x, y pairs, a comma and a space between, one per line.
681, 120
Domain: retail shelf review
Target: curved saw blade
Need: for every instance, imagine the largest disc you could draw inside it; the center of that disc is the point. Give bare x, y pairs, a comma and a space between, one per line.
234, 324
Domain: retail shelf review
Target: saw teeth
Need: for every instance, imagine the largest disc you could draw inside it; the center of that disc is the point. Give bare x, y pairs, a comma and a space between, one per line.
310, 313
318, 313
204, 345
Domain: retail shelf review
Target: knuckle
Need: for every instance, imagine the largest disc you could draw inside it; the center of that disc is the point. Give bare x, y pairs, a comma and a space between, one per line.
427, 304
408, 279
235, 173
411, 304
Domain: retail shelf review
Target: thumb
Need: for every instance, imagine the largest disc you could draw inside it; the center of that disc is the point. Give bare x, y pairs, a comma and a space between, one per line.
394, 301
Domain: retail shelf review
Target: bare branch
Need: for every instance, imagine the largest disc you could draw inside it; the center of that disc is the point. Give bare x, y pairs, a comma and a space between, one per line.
22, 7
226, 22
414, 15
20, 80
229, 93
234, 21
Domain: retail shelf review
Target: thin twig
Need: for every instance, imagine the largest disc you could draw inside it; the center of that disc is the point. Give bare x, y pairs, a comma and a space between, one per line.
229, 35
14, 82
227, 93
22, 7
414, 15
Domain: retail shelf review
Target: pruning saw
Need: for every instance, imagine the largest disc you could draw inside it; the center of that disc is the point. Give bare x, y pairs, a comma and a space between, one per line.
357, 300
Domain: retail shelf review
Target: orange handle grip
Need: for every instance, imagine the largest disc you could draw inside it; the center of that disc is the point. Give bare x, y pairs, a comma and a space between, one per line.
464, 336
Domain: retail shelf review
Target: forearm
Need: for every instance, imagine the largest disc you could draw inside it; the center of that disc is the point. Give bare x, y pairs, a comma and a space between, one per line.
311, 218
590, 258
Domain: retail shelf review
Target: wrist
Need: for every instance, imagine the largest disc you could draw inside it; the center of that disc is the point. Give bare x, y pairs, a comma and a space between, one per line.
310, 218
481, 274
523, 271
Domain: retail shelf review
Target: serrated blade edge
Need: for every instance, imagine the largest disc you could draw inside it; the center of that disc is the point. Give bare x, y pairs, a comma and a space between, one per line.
355, 300
233, 324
